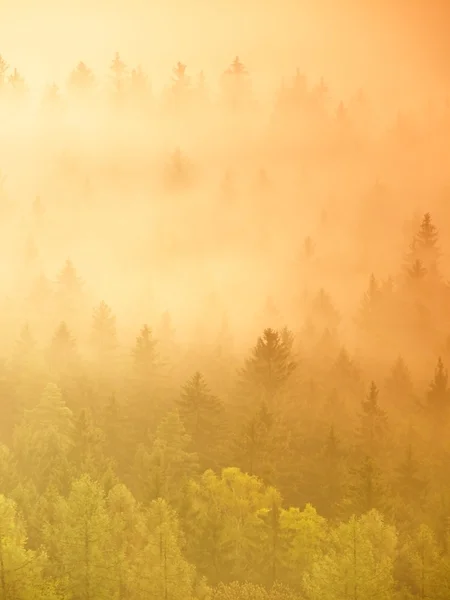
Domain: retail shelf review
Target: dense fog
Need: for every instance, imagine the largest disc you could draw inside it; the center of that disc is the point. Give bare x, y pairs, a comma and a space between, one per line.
224, 301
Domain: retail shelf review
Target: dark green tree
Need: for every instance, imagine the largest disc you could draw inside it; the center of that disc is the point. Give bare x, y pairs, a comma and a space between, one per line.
202, 414
268, 369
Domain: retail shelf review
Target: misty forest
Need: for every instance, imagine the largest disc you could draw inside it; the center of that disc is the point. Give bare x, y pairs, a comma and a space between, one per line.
225, 333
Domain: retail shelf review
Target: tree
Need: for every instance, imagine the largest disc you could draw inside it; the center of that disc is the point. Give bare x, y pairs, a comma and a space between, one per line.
252, 591
410, 484
222, 525
236, 86
330, 476
26, 367
164, 572
272, 546
268, 369
178, 171
18, 86
43, 440
424, 248
81, 79
323, 313
181, 86
304, 533
51, 411
145, 354
3, 71
52, 102
366, 490
139, 87
62, 354
69, 291
399, 387
21, 570
419, 564
80, 542
356, 563
118, 74
145, 401
119, 436
88, 450
261, 448
202, 415
437, 402
103, 336
164, 469
373, 423
369, 318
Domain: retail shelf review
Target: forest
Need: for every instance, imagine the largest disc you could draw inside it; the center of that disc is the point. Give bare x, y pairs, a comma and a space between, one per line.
225, 337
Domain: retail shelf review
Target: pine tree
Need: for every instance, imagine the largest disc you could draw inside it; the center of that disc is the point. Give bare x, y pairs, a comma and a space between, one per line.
437, 402
424, 252
3, 71
236, 86
268, 369
163, 470
410, 484
202, 415
118, 75
81, 550
178, 171
103, 336
181, 86
62, 353
399, 387
88, 451
273, 543
369, 318
69, 291
373, 424
51, 411
42, 442
81, 79
18, 85
330, 483
147, 392
22, 571
261, 447
145, 354
323, 313
367, 490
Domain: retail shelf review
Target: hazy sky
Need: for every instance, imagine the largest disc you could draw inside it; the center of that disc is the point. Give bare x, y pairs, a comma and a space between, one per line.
387, 46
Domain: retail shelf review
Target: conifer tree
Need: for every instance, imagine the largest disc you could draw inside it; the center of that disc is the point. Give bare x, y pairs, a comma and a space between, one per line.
103, 336
22, 571
424, 252
236, 86
118, 71
202, 415
69, 293
81, 79
62, 353
367, 491
373, 423
330, 482
81, 554
268, 368
163, 470
437, 401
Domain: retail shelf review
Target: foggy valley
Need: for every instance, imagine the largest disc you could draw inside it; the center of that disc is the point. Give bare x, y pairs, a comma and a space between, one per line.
224, 303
